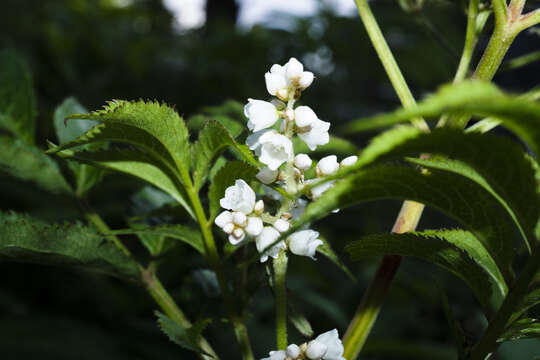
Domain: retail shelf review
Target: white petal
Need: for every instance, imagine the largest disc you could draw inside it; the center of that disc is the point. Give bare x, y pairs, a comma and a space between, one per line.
228, 228
278, 69
294, 69
239, 197
236, 240
239, 218
328, 165
266, 175
259, 207
349, 161
281, 225
306, 79
315, 350
267, 237
254, 226
261, 114
304, 243
302, 161
298, 208
304, 116
252, 140
274, 82
293, 351
224, 218
318, 135
275, 150
333, 344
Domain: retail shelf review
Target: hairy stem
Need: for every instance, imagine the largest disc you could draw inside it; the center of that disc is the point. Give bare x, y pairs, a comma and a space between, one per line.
280, 288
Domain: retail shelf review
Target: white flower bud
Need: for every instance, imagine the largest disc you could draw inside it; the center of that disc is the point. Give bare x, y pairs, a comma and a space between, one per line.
293, 70
333, 345
240, 219
224, 218
283, 94
228, 228
304, 116
293, 351
315, 350
281, 225
239, 197
306, 79
261, 114
328, 165
274, 82
254, 226
304, 243
349, 161
267, 237
266, 175
259, 207
238, 233
302, 161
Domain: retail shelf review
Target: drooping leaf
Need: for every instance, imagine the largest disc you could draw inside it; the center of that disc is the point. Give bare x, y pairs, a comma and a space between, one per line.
188, 338
23, 238
518, 114
17, 98
521, 329
29, 163
226, 177
452, 194
456, 251
183, 233
327, 251
86, 176
135, 163
213, 139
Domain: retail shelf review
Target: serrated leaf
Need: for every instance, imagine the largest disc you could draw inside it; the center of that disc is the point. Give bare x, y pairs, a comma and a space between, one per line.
134, 163
183, 233
518, 114
521, 329
17, 98
456, 251
213, 139
327, 251
226, 177
188, 338
28, 163
452, 194
86, 176
26, 239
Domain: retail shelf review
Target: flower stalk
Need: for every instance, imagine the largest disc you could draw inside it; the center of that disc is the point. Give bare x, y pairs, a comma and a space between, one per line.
280, 289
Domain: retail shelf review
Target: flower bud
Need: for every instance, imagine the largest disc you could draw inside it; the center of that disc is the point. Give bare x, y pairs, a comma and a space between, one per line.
259, 207
266, 175
328, 165
349, 161
281, 225
304, 243
261, 114
302, 161
240, 219
293, 351
315, 350
254, 226
238, 233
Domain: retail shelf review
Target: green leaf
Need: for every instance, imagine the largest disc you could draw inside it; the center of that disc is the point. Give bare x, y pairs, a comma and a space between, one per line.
86, 176
26, 239
183, 233
454, 250
327, 251
29, 163
451, 194
156, 128
134, 163
522, 329
213, 139
17, 98
336, 145
188, 338
529, 301
226, 177
518, 114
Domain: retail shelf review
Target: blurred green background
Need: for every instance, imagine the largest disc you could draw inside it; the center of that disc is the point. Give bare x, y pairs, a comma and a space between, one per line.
97, 50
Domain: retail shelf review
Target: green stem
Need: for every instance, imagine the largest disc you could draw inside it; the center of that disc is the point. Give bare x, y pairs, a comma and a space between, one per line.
470, 41
280, 288
528, 20
488, 342
387, 60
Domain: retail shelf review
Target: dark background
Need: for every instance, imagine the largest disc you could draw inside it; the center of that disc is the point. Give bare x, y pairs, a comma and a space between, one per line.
96, 52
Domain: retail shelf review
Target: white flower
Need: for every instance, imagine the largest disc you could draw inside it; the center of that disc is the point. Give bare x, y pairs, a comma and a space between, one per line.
293, 351
302, 161
281, 80
266, 175
276, 82
334, 347
275, 149
281, 225
252, 141
304, 243
328, 165
276, 355
310, 128
349, 161
267, 237
261, 114
304, 116
239, 197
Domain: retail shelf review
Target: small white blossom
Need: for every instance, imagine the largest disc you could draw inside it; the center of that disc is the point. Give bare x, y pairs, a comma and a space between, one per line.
276, 81
302, 161
304, 116
261, 114
239, 197
276, 355
333, 345
306, 79
267, 237
281, 225
275, 149
316, 135
349, 161
293, 351
328, 165
282, 80
252, 141
267, 175
259, 207
304, 243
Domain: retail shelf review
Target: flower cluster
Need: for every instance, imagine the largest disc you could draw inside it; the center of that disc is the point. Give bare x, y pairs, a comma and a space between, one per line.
326, 346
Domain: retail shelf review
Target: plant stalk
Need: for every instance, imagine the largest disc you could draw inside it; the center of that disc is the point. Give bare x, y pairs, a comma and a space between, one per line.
280, 288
